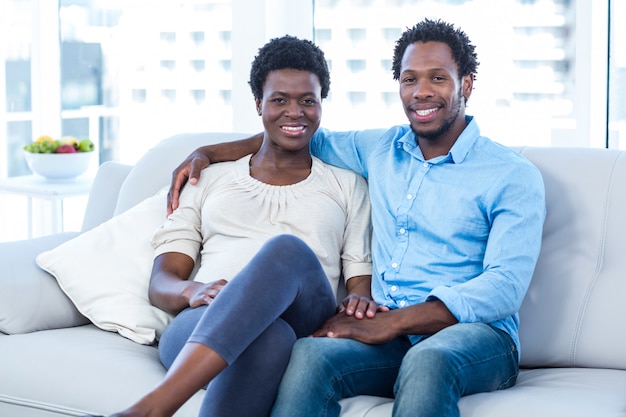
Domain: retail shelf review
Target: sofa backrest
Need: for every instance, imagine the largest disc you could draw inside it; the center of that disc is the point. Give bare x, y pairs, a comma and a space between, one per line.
572, 314
154, 169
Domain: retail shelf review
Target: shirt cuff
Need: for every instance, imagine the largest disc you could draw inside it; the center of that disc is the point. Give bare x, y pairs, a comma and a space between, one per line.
457, 304
357, 269
186, 248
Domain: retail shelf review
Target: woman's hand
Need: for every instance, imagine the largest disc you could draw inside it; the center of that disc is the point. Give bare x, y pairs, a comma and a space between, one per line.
204, 294
358, 302
359, 306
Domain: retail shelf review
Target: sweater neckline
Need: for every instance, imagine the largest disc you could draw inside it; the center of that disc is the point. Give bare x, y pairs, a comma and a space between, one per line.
244, 165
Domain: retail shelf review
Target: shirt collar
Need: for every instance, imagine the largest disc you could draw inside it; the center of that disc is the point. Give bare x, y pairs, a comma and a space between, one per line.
457, 153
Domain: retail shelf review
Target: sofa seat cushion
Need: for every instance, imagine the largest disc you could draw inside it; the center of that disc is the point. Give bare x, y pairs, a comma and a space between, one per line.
70, 372
84, 369
548, 392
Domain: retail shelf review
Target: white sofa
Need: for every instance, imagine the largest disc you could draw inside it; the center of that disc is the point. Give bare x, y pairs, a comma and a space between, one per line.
573, 335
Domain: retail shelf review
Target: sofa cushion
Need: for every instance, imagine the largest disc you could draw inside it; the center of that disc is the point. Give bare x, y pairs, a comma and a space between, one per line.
70, 372
103, 195
573, 311
154, 169
31, 299
106, 272
571, 392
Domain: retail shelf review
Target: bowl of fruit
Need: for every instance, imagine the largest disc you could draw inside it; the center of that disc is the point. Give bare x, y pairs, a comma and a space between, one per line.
58, 159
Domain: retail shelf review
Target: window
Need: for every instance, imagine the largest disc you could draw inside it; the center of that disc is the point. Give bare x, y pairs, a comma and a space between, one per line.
323, 36
391, 100
168, 37
356, 65
552, 72
225, 64
356, 35
197, 38
168, 64
15, 75
139, 95
198, 96
198, 65
224, 36
226, 96
112, 77
542, 79
390, 35
169, 95
357, 98
533, 85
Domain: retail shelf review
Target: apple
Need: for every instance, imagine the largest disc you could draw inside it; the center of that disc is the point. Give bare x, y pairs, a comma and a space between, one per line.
66, 148
85, 145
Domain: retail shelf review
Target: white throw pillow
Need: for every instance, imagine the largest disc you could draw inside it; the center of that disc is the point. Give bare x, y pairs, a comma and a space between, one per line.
106, 272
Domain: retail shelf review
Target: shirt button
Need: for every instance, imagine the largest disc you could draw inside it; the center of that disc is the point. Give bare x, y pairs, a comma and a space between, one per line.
402, 231
394, 265
409, 196
394, 288
426, 164
402, 303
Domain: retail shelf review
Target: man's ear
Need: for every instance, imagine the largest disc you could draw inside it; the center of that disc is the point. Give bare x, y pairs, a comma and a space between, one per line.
468, 85
258, 106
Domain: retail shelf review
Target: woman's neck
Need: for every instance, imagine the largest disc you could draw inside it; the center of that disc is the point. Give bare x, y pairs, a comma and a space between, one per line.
280, 168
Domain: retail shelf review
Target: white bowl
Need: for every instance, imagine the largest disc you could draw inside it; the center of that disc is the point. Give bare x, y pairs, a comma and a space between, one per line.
57, 166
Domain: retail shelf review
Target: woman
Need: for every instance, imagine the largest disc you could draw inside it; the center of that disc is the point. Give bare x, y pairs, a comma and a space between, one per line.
276, 230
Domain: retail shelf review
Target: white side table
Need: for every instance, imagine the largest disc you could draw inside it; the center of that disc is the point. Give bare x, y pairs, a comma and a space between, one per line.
55, 191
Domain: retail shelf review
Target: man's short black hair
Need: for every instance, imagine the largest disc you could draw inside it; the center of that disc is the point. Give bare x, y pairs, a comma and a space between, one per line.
288, 52
428, 30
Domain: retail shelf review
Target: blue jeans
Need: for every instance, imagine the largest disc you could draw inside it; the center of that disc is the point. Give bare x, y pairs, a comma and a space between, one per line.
281, 295
426, 379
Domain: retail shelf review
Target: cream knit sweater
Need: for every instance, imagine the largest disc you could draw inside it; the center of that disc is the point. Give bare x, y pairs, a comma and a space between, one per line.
228, 216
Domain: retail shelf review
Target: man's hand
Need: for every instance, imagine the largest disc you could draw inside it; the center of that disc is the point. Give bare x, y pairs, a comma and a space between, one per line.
423, 318
202, 157
375, 330
189, 169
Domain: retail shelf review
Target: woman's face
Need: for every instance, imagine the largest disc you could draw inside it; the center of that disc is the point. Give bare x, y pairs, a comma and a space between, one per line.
291, 108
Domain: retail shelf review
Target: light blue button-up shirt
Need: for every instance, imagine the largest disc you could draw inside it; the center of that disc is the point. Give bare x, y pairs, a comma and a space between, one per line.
464, 228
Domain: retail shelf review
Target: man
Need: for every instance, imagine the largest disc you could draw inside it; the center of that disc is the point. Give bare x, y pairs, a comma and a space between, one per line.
457, 230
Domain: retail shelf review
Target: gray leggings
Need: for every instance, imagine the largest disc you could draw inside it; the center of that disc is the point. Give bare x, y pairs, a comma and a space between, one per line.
281, 295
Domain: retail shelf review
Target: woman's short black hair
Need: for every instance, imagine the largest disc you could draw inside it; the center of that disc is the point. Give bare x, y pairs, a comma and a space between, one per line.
288, 52
428, 30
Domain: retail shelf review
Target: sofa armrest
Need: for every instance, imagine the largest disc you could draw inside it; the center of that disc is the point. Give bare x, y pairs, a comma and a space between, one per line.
104, 194
30, 298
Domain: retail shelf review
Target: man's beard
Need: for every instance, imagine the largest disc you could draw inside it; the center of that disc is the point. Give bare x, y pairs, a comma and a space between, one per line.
447, 123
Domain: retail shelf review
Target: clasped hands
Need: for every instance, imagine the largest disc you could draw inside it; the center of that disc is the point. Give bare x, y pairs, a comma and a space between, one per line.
360, 318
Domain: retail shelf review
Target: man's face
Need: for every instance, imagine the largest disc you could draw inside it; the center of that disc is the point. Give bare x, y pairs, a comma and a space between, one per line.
432, 94
291, 108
